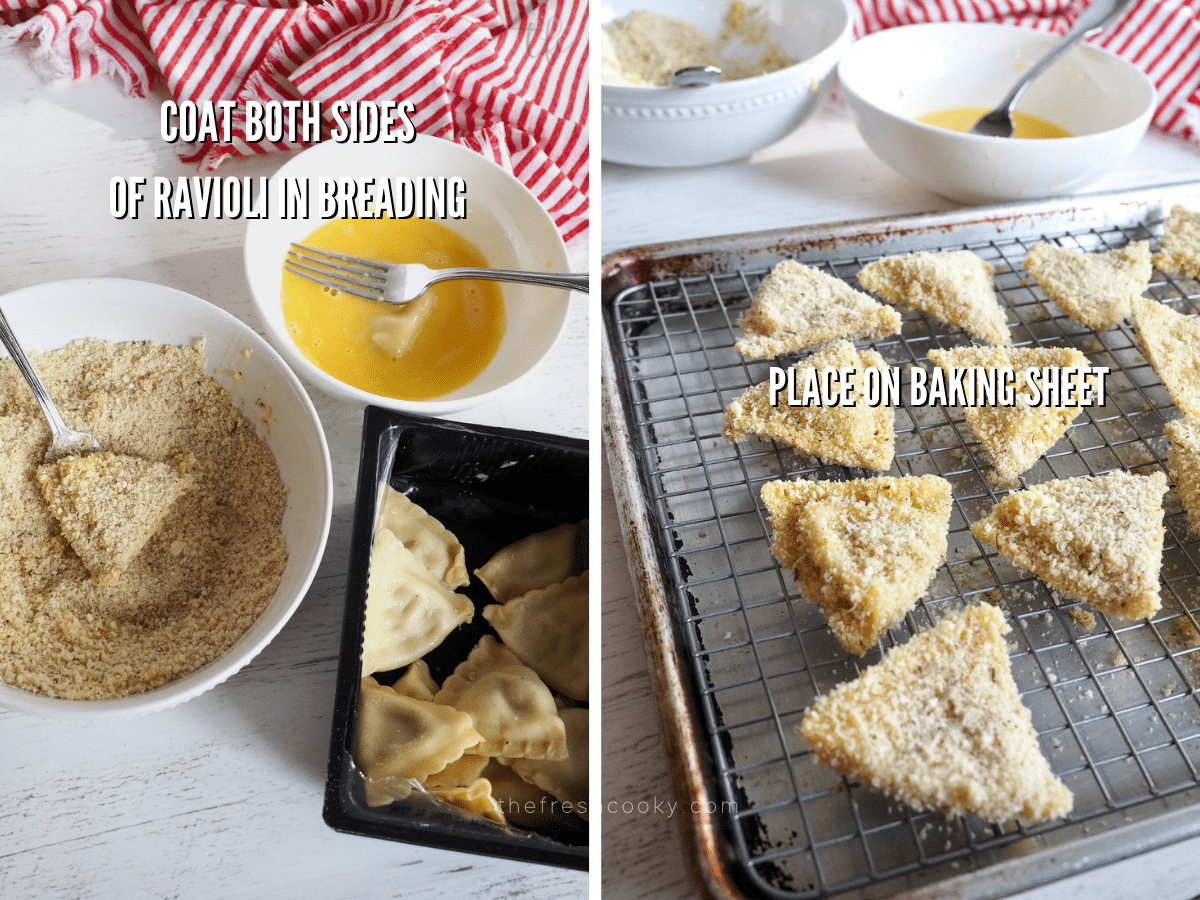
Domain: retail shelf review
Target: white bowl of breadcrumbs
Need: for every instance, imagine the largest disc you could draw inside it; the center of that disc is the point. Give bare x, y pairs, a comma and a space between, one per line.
199, 529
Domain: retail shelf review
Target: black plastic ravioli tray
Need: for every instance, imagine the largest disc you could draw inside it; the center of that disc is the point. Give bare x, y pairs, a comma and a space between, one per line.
490, 486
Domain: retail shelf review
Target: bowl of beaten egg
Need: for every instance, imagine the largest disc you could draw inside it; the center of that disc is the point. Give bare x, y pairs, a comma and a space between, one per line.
430, 201
904, 84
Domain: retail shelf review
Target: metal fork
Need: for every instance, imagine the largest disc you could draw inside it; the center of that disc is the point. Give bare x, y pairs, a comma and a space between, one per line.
64, 440
403, 283
999, 122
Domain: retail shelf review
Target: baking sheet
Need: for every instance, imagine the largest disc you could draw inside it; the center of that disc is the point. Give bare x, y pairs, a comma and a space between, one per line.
737, 655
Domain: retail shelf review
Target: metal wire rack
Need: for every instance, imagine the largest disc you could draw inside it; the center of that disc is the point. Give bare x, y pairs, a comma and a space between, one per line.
1114, 701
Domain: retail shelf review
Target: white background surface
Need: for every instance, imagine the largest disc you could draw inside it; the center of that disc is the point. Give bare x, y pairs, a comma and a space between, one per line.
220, 797
821, 173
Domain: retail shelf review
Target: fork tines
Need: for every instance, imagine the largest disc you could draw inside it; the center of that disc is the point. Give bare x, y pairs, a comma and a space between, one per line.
360, 277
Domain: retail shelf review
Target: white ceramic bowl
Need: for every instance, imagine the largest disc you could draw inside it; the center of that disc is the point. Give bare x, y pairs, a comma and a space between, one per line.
504, 221
665, 126
48, 316
893, 76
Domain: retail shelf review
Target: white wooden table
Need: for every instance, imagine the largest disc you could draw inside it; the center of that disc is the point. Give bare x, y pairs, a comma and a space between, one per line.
822, 173
220, 797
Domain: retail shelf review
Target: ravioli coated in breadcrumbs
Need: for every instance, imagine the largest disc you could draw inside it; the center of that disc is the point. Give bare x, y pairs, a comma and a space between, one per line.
1184, 464
1095, 289
1170, 341
858, 435
109, 505
797, 307
1179, 252
953, 286
863, 551
1096, 538
939, 725
1014, 437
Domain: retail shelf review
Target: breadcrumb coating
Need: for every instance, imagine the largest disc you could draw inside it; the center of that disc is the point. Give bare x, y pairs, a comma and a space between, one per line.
797, 307
939, 725
1171, 342
1096, 538
1094, 289
953, 286
1179, 252
857, 435
864, 551
1014, 437
1184, 464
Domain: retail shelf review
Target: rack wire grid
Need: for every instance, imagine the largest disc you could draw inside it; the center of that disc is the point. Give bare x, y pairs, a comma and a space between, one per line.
1114, 701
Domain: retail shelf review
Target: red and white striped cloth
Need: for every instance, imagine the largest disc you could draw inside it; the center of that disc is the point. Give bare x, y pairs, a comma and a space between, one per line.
1160, 37
507, 78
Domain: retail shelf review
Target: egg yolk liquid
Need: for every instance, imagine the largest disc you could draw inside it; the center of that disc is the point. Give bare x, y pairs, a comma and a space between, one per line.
963, 117
333, 329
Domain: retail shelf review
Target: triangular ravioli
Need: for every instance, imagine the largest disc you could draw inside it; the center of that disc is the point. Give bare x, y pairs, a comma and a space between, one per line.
1179, 252
460, 773
1095, 289
864, 551
953, 286
939, 725
797, 307
858, 435
536, 561
109, 505
402, 737
416, 682
409, 609
564, 779
526, 805
511, 707
429, 540
547, 629
475, 799
1171, 342
1015, 436
1184, 464
1095, 538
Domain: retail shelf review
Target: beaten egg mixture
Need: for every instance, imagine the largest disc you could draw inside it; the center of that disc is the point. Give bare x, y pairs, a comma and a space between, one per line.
962, 118
423, 349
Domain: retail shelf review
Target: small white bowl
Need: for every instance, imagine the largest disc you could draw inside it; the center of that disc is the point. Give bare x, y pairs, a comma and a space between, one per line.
892, 77
667, 126
49, 316
504, 221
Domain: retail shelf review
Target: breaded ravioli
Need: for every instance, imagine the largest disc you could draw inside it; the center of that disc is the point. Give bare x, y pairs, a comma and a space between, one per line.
797, 307
1184, 464
1170, 340
1095, 538
109, 505
864, 551
939, 725
1179, 252
858, 435
1014, 437
953, 286
1095, 289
